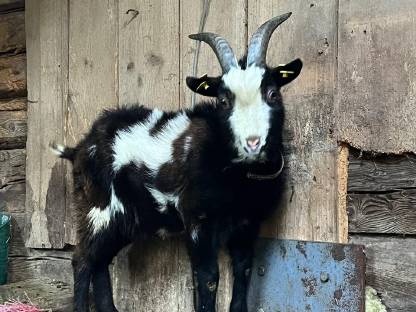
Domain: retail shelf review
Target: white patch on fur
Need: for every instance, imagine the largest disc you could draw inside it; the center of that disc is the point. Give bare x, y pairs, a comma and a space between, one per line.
100, 218
163, 199
162, 233
92, 150
186, 147
250, 115
135, 144
57, 149
195, 233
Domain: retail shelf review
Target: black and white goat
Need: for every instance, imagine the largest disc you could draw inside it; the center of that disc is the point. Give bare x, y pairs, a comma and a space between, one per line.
212, 172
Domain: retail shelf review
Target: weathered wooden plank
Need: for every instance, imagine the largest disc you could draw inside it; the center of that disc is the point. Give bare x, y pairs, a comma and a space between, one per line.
23, 268
227, 18
12, 33
93, 77
12, 167
11, 5
47, 53
376, 39
13, 76
308, 211
12, 177
391, 269
12, 197
13, 104
13, 129
148, 276
383, 213
149, 53
381, 173
46, 294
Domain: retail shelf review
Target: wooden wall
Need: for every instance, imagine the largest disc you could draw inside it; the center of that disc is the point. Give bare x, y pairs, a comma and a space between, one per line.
88, 55
23, 263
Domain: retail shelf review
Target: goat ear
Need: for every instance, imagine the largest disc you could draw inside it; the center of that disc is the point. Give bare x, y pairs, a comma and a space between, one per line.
287, 73
207, 86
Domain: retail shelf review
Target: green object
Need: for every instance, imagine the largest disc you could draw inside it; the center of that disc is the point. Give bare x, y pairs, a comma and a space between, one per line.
4, 246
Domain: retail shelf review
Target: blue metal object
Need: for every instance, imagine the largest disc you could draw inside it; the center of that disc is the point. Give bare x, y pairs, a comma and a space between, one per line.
299, 276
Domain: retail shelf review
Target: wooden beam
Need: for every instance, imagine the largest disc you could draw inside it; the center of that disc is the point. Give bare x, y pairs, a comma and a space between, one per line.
93, 79
382, 173
382, 193
47, 55
391, 269
14, 104
393, 212
13, 76
13, 129
12, 33
309, 209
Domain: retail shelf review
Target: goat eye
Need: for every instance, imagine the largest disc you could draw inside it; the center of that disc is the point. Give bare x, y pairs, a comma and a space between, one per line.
272, 95
224, 102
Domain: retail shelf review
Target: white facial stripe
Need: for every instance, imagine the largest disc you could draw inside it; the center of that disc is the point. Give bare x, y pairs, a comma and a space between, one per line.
251, 115
100, 218
163, 198
135, 144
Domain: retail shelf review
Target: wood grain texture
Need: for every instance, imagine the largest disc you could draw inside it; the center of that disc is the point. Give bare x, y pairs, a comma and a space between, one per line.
391, 269
13, 76
383, 213
342, 179
12, 167
93, 77
12, 33
47, 54
377, 61
149, 53
227, 18
12, 178
13, 129
381, 173
309, 208
14, 104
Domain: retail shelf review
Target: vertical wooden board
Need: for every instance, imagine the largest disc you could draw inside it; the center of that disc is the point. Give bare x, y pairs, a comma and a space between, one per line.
149, 53
46, 34
151, 275
93, 75
308, 210
377, 75
227, 18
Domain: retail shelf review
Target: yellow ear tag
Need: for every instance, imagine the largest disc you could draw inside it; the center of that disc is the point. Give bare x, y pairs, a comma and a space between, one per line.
203, 84
285, 73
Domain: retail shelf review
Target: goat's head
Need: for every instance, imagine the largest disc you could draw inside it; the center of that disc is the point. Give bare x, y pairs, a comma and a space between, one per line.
248, 91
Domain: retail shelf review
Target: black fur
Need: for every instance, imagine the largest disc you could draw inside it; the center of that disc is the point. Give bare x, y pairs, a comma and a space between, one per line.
218, 200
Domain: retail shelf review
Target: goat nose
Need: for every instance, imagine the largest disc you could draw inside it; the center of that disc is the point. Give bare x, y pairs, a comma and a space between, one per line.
253, 143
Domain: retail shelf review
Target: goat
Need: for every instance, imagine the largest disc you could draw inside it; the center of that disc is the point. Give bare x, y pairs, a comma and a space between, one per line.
212, 172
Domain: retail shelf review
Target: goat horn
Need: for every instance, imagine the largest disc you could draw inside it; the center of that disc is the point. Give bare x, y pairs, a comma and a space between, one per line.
259, 41
222, 49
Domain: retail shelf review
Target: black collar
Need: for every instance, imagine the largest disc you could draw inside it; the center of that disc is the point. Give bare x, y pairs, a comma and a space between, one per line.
262, 177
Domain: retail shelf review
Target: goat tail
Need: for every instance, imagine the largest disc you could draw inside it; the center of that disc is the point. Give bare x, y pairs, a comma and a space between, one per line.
63, 151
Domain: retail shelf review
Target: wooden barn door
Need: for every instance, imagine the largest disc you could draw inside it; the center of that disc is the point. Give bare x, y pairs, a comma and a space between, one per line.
84, 56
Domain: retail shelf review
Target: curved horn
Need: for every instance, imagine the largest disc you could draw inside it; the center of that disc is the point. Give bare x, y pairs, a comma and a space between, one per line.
222, 49
259, 41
